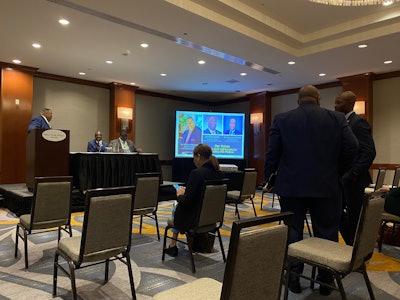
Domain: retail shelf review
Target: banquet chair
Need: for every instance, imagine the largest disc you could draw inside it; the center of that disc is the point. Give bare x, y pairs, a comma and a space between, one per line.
106, 235
249, 272
264, 190
248, 191
50, 209
380, 178
396, 177
146, 197
209, 220
338, 258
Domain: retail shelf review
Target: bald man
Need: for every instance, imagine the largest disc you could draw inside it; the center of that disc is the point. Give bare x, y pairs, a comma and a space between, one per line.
358, 177
97, 144
309, 148
41, 121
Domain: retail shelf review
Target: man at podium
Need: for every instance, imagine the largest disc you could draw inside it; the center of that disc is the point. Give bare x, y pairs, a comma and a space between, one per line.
41, 121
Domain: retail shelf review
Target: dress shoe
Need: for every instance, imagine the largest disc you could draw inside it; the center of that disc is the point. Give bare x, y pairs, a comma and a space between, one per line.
172, 251
326, 290
295, 287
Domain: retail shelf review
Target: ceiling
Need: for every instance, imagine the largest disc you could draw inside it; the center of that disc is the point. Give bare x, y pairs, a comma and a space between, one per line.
256, 37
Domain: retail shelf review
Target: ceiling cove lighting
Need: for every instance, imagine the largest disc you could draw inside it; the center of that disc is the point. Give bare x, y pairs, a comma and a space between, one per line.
354, 2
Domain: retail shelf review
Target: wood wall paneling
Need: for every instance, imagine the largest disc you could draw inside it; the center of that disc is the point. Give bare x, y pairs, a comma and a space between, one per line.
16, 86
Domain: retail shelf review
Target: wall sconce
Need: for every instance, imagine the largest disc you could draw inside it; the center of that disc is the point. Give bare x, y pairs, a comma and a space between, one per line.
125, 114
359, 107
256, 119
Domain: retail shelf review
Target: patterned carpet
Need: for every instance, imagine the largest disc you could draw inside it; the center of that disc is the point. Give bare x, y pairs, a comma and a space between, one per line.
151, 275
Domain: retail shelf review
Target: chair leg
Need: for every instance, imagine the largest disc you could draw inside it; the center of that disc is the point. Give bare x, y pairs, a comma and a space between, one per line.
141, 221
273, 200
128, 263
308, 227
165, 241
158, 231
26, 248
55, 274
340, 286
368, 283
313, 273
16, 242
190, 246
237, 210
221, 245
287, 277
254, 209
381, 232
72, 277
107, 267
262, 199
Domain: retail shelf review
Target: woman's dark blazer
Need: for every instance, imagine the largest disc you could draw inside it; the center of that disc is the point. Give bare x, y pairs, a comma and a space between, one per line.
189, 203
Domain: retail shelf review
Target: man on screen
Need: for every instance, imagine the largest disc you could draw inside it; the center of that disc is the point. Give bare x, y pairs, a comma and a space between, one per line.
192, 134
232, 127
212, 124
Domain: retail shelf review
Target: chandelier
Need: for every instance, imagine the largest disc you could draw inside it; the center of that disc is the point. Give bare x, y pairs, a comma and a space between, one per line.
354, 2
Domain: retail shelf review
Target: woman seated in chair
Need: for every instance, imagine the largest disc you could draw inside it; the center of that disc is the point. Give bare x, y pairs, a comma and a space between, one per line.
189, 198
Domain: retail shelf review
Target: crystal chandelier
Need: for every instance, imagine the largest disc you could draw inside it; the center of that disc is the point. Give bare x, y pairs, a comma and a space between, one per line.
354, 2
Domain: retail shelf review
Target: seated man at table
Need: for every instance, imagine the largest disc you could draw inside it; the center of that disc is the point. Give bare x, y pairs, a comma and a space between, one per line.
97, 144
122, 144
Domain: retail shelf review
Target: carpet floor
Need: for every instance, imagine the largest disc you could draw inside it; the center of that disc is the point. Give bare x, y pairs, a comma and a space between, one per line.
151, 274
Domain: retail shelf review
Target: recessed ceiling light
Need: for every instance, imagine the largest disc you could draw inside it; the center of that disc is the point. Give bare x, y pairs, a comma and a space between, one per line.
144, 45
243, 74
132, 83
36, 45
362, 46
387, 3
109, 62
201, 62
387, 62
163, 74
63, 22
321, 74
291, 62
82, 73
16, 61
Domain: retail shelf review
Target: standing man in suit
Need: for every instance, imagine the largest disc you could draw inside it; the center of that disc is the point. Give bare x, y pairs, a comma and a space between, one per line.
122, 144
41, 121
212, 124
308, 148
97, 144
358, 177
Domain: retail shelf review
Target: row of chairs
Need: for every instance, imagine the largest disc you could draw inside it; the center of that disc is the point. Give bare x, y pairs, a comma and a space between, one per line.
245, 274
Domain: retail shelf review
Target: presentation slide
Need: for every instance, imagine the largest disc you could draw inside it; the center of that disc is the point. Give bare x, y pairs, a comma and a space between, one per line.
223, 132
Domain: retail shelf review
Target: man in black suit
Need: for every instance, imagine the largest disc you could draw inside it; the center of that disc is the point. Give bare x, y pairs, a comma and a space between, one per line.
358, 177
308, 148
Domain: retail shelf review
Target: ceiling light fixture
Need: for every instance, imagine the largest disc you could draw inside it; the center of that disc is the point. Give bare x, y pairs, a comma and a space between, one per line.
144, 45
16, 61
82, 73
321, 74
201, 62
291, 62
163, 74
243, 74
109, 62
387, 62
36, 45
362, 46
63, 22
353, 2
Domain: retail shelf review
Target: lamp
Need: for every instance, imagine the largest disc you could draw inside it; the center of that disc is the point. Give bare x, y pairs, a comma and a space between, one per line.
125, 114
354, 2
359, 107
256, 119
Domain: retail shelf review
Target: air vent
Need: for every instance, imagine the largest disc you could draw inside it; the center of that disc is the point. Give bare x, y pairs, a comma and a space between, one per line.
232, 81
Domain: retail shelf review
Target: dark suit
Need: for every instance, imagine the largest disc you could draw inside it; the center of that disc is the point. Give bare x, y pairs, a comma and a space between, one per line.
38, 122
195, 136
208, 131
308, 146
94, 147
235, 131
358, 177
189, 203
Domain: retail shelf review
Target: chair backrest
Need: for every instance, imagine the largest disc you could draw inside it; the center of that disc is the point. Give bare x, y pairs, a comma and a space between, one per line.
107, 224
212, 204
367, 230
396, 177
380, 178
249, 184
51, 203
147, 188
256, 258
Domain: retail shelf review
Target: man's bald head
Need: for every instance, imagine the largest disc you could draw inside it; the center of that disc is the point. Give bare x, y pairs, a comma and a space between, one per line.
345, 102
309, 93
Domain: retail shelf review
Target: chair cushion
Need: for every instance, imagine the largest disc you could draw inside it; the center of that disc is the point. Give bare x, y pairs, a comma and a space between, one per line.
332, 254
233, 195
199, 289
25, 221
71, 247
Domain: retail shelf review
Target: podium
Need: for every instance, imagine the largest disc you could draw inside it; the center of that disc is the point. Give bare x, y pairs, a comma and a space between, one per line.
47, 154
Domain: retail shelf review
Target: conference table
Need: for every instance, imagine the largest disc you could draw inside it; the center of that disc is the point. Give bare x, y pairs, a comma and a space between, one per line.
105, 169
